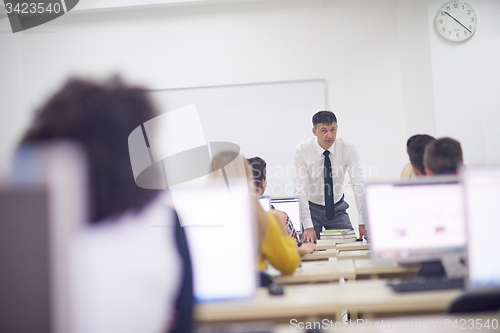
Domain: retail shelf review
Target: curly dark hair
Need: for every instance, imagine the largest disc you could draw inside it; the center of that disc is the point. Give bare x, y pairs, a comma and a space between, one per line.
100, 118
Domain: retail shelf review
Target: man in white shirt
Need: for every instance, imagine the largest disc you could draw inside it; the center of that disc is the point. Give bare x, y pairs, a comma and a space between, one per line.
320, 166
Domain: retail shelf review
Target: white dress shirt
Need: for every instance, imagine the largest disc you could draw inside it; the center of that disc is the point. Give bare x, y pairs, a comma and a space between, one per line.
308, 160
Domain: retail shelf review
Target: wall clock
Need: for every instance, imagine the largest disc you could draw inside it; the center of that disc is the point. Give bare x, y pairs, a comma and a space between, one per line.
456, 20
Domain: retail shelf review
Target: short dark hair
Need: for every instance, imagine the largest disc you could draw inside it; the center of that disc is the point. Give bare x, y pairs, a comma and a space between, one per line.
100, 118
258, 166
443, 156
324, 117
415, 147
416, 137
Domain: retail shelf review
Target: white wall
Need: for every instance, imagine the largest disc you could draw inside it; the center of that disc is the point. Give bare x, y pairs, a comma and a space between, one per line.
389, 74
416, 67
467, 85
340, 41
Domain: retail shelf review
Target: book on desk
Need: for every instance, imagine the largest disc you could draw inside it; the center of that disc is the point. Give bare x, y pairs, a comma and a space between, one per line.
337, 236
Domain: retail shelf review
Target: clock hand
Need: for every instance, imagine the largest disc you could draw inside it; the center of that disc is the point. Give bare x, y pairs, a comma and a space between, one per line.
458, 22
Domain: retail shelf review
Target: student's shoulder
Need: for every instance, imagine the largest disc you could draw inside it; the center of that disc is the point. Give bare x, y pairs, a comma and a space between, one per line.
279, 216
273, 227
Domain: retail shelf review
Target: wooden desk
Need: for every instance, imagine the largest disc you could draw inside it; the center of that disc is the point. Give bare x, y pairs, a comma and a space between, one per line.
319, 271
358, 254
345, 246
320, 255
450, 323
321, 247
353, 246
316, 300
375, 270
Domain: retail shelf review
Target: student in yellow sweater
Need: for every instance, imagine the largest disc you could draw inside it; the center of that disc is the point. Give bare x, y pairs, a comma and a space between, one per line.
276, 246
279, 249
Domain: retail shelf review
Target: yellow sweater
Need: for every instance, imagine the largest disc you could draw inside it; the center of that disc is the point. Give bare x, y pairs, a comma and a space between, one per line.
281, 251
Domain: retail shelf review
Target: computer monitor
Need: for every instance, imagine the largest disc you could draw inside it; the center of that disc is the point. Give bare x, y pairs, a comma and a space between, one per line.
220, 230
25, 282
482, 190
291, 206
419, 221
40, 208
265, 202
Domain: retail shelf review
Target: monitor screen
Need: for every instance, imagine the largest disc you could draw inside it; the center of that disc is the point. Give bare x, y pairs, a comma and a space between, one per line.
482, 186
417, 221
39, 213
25, 260
220, 230
291, 207
265, 202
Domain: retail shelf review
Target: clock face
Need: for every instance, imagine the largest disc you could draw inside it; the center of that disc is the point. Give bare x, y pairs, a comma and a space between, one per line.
456, 20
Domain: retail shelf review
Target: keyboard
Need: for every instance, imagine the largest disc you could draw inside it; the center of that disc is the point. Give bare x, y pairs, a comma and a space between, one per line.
422, 284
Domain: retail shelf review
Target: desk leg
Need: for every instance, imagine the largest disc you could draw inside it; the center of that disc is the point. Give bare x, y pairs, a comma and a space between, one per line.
342, 315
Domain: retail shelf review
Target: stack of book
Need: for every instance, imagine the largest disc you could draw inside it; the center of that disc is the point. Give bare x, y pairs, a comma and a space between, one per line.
337, 236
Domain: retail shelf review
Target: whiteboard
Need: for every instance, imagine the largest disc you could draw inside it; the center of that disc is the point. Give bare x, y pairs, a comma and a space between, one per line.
265, 119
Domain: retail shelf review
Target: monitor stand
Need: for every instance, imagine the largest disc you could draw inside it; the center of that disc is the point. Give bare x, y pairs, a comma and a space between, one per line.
431, 269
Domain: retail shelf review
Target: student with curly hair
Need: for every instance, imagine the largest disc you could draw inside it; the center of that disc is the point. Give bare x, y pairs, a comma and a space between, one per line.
130, 277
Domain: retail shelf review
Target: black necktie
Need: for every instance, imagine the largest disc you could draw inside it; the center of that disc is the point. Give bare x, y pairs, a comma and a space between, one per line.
329, 212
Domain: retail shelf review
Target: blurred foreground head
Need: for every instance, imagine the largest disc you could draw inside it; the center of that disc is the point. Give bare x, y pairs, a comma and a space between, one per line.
234, 165
99, 117
230, 166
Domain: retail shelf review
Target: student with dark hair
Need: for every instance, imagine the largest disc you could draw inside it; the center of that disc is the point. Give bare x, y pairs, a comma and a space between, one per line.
415, 148
443, 157
407, 172
259, 183
133, 278
320, 165
259, 173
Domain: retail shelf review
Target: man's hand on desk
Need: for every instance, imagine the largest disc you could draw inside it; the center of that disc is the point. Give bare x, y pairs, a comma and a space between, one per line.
309, 235
306, 248
362, 231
